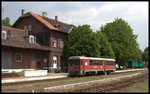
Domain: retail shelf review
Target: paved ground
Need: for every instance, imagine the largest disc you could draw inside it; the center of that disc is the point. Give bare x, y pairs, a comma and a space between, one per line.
21, 79
129, 70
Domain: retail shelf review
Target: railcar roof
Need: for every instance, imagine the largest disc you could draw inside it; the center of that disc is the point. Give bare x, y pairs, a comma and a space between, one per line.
92, 58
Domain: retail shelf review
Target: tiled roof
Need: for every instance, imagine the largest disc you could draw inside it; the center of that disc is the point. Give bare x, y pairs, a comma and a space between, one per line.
63, 27
16, 38
44, 22
50, 23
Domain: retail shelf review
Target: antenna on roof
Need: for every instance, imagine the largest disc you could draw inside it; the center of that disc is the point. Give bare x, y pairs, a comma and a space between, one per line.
72, 20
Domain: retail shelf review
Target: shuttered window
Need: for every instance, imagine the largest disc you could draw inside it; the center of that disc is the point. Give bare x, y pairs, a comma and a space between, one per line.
18, 57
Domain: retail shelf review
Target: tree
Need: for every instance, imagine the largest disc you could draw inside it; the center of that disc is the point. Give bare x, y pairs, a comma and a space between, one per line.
6, 22
123, 41
145, 54
106, 50
82, 41
139, 56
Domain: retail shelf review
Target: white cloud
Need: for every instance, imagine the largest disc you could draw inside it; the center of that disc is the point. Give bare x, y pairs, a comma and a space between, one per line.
92, 13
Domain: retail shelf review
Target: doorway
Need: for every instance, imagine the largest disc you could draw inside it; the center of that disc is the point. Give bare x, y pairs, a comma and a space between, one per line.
54, 61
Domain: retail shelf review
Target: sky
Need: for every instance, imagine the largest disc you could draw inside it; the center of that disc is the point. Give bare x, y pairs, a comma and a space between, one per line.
95, 14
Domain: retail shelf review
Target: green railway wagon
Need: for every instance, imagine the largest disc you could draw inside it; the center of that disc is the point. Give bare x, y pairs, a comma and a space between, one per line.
133, 64
140, 64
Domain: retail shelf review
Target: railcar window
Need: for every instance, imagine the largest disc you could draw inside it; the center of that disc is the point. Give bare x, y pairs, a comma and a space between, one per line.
91, 62
74, 62
81, 62
94, 62
110, 63
101, 62
107, 63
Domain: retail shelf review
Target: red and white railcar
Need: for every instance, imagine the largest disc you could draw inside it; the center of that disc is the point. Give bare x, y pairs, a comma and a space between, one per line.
80, 65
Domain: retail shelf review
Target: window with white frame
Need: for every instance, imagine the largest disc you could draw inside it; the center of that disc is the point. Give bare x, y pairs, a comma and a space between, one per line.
32, 39
61, 43
45, 62
4, 35
54, 41
18, 57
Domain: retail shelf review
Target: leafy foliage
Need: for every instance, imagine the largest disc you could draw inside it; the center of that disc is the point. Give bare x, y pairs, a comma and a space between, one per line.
123, 41
106, 50
145, 54
82, 42
6, 22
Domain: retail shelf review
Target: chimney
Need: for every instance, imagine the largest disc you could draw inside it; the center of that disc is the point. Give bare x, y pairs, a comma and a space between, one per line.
44, 14
56, 18
23, 11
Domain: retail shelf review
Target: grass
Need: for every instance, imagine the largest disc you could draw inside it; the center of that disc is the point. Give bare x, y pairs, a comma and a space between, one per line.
136, 88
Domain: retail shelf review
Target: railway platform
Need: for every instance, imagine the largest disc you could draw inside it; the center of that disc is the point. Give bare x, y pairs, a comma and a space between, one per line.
34, 78
117, 71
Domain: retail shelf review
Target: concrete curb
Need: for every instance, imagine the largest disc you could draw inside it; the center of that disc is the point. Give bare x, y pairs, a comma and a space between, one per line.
88, 83
128, 70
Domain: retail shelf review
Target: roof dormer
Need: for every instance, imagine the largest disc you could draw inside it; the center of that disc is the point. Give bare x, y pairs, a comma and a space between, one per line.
32, 39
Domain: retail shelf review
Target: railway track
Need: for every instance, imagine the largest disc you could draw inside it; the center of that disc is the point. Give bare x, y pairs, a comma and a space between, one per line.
112, 85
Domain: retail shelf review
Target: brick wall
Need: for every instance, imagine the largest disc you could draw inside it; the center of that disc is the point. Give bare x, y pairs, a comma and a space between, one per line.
28, 62
45, 36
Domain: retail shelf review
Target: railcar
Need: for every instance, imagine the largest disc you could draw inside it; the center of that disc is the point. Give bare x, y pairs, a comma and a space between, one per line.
135, 64
80, 65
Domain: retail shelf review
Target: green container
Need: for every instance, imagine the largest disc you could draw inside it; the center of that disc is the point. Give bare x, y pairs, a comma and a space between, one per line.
133, 64
140, 64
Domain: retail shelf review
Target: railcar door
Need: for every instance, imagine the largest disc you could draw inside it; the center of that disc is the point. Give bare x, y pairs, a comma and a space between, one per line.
86, 65
104, 64
82, 64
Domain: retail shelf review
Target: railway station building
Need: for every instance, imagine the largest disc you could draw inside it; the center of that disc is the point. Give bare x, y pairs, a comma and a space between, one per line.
35, 41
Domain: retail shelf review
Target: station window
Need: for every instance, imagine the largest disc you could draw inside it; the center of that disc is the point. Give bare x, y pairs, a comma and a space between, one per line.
61, 43
54, 41
18, 57
45, 62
